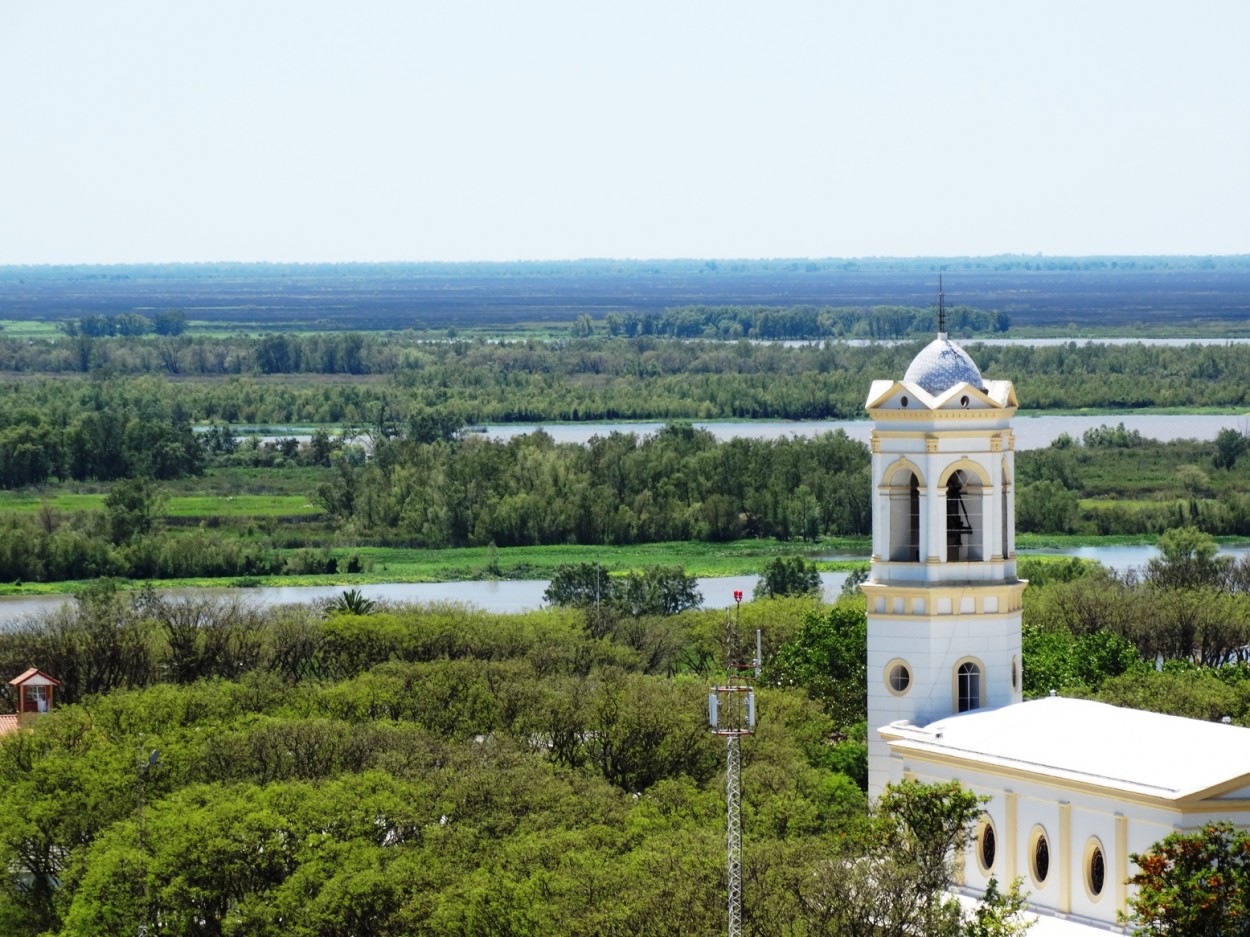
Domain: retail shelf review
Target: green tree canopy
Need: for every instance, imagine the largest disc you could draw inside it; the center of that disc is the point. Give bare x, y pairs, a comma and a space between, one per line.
788, 575
1193, 885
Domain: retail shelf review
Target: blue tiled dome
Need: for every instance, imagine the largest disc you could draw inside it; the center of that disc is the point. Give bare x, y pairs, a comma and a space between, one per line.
941, 365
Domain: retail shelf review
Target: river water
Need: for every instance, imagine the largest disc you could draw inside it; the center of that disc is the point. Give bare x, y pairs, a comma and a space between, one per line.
1032, 432
523, 595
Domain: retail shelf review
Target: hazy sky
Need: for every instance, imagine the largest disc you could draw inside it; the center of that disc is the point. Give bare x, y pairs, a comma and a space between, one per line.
311, 130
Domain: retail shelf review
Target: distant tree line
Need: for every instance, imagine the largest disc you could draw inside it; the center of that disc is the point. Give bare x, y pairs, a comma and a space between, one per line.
128, 324
678, 484
774, 323
286, 377
1116, 481
99, 443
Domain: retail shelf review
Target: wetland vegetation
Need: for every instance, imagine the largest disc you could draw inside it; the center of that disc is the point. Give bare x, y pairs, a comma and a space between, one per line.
119, 457
356, 767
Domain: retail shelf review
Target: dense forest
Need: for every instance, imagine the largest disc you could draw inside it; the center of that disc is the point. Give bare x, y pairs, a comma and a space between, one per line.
436, 771
354, 378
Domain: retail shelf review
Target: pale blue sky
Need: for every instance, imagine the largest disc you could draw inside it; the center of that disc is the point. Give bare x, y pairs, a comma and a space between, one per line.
181, 130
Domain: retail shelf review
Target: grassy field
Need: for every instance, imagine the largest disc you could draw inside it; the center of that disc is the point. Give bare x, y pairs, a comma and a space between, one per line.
29, 328
397, 564
176, 506
739, 558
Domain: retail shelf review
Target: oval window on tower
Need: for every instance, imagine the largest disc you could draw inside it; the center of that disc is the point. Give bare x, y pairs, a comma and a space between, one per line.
898, 677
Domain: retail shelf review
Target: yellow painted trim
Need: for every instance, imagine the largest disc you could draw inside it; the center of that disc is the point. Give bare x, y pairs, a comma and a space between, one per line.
898, 465
1000, 433
925, 412
1065, 857
1010, 821
1010, 595
1121, 863
1215, 790
1183, 805
965, 464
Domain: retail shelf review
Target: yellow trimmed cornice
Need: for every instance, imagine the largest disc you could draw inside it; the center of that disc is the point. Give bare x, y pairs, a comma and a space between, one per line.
1215, 790
1000, 434
882, 391
1185, 803
922, 590
960, 415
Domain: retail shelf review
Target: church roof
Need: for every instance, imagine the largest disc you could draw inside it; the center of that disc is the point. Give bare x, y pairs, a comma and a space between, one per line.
941, 365
1073, 741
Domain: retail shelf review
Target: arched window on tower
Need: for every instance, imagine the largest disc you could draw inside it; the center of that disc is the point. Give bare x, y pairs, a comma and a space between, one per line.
963, 518
968, 681
904, 497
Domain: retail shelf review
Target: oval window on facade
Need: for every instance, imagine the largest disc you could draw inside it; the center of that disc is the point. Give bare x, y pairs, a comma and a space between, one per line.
898, 677
1039, 857
1095, 869
987, 847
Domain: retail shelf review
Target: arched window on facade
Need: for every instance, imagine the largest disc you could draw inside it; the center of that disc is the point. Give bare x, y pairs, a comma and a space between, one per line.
904, 497
968, 689
964, 528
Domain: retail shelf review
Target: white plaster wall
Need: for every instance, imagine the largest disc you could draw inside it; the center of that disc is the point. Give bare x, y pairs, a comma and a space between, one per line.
1091, 815
932, 646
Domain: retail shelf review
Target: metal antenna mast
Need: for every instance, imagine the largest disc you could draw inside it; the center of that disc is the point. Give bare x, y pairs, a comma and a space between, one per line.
731, 713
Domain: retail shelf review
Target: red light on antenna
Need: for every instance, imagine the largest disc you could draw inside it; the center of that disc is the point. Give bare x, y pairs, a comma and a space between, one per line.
737, 595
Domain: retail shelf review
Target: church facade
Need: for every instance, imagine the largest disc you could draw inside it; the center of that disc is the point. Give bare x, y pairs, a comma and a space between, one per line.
1074, 786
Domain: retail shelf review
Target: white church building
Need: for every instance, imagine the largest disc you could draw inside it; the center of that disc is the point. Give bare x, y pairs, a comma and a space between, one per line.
1075, 786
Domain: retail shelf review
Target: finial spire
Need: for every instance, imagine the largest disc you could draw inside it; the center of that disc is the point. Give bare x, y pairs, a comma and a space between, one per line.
941, 309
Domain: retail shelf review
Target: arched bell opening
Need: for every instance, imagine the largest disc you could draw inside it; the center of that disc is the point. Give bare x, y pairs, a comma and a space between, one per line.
904, 499
964, 522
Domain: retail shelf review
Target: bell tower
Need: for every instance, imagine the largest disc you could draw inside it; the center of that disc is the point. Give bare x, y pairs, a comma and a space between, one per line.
943, 597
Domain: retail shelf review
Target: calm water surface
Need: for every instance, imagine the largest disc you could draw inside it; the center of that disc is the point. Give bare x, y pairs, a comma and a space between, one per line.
508, 596
1032, 432
523, 595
